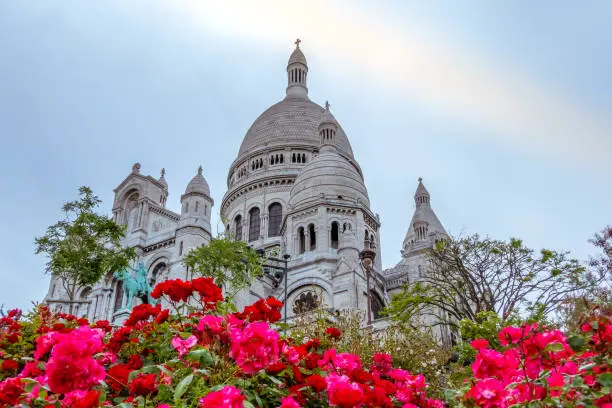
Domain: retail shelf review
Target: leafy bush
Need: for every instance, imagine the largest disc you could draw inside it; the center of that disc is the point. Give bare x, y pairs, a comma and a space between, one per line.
206, 358
201, 358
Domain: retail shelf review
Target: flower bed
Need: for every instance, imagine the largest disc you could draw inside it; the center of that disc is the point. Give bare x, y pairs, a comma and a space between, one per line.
207, 358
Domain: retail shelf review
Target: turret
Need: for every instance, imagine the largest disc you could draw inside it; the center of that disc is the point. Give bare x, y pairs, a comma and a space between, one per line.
196, 207
425, 226
328, 127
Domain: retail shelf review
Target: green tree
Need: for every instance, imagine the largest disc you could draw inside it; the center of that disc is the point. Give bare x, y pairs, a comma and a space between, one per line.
472, 275
232, 264
578, 308
84, 246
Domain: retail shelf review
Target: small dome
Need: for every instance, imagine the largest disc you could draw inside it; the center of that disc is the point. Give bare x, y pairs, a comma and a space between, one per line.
327, 118
329, 175
198, 184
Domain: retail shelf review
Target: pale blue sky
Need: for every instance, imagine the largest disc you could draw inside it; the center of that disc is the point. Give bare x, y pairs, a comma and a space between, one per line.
503, 108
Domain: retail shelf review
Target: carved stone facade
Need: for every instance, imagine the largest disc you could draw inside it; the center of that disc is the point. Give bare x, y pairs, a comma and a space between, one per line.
294, 189
160, 237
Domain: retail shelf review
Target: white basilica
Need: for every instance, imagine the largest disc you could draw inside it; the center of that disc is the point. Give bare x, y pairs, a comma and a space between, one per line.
295, 188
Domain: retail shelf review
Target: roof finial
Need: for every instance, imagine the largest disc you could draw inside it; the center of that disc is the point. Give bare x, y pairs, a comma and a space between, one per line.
420, 179
136, 168
163, 172
297, 43
200, 170
327, 105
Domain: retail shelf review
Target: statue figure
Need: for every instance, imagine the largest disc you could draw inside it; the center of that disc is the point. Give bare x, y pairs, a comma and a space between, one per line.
135, 285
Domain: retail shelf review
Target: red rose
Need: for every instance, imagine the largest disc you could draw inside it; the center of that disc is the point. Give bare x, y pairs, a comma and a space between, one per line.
143, 384
479, 344
9, 365
274, 303
333, 332
10, 390
316, 382
118, 376
162, 317
275, 368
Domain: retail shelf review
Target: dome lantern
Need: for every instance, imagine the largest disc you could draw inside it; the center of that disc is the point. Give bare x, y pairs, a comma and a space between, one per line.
297, 71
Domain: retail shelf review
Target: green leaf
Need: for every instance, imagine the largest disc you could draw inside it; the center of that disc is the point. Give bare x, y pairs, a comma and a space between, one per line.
182, 387
275, 380
247, 404
150, 369
576, 342
577, 381
554, 347
201, 355
605, 379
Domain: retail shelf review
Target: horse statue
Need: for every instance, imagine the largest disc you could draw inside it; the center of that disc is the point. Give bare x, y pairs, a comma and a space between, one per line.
135, 285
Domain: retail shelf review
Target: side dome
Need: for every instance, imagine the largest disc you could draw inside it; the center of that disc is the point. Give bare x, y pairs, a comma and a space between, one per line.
291, 121
198, 184
331, 176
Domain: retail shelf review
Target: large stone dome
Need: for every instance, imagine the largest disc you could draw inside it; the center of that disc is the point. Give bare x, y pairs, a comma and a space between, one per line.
332, 176
290, 122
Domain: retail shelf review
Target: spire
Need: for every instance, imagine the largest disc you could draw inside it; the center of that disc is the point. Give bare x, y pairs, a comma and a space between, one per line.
200, 170
297, 70
425, 227
421, 196
162, 178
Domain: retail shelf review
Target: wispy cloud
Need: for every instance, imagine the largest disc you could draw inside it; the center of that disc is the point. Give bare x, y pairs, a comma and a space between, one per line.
430, 69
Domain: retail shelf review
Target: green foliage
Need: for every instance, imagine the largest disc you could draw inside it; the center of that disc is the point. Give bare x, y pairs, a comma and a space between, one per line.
84, 246
472, 275
412, 349
232, 264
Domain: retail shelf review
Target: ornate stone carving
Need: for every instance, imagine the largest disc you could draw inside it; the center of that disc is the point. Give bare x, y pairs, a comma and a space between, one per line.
306, 302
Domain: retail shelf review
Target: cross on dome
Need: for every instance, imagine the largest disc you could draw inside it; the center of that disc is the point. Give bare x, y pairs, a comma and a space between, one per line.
327, 105
200, 171
297, 43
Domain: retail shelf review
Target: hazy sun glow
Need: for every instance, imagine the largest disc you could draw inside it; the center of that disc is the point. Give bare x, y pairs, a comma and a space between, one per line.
429, 69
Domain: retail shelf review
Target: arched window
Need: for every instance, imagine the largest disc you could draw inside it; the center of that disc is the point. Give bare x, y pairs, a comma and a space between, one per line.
197, 206
334, 235
313, 237
84, 297
275, 216
376, 304
85, 294
254, 223
238, 227
181, 249
301, 240
118, 296
303, 158
186, 207
157, 273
